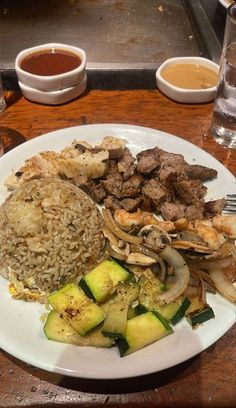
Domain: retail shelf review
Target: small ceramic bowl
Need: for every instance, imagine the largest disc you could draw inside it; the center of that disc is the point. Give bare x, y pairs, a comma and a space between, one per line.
185, 95
54, 97
52, 82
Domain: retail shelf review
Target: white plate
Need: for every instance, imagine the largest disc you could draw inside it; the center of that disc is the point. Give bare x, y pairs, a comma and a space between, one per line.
226, 3
21, 329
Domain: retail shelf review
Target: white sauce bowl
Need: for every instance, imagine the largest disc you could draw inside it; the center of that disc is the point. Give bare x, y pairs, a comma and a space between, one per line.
184, 95
53, 97
52, 82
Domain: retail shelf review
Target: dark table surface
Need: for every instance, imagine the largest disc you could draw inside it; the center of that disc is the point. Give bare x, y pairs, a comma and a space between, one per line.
207, 380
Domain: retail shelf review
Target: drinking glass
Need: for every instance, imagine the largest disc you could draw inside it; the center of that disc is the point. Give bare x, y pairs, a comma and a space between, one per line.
223, 126
2, 99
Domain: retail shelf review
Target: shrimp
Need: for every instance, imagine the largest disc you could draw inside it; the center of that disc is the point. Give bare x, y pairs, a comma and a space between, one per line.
225, 224
127, 220
209, 235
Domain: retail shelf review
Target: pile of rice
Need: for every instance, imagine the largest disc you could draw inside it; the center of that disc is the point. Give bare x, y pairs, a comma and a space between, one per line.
50, 233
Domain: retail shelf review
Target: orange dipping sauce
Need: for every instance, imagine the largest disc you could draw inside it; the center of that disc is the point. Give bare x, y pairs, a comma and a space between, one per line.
190, 76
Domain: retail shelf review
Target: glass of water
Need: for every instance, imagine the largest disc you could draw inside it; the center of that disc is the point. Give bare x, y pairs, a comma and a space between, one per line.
2, 99
223, 126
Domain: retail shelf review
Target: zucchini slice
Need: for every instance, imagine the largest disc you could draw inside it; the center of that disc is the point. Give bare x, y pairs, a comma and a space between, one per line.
115, 322
201, 316
117, 308
173, 312
57, 329
195, 305
101, 282
76, 308
141, 331
180, 312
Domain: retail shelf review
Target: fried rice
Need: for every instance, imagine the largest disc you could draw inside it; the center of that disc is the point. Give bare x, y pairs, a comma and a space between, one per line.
50, 234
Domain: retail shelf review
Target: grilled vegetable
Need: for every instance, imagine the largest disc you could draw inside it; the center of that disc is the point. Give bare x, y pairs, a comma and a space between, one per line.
76, 308
141, 331
57, 329
117, 309
148, 298
102, 281
200, 317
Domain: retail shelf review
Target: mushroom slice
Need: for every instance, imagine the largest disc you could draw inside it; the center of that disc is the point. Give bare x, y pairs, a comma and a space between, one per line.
154, 237
182, 275
135, 258
148, 252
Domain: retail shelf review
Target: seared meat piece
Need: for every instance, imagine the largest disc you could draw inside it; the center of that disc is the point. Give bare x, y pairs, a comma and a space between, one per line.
81, 181
166, 158
189, 191
147, 204
130, 172
169, 172
113, 185
215, 207
202, 173
98, 193
132, 186
148, 160
112, 203
154, 190
194, 211
130, 204
90, 187
126, 163
112, 169
172, 211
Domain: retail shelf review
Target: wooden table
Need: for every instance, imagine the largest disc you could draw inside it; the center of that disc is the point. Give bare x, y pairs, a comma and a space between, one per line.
207, 380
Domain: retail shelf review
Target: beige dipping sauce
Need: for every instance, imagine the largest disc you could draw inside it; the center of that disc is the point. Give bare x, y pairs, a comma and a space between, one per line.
190, 76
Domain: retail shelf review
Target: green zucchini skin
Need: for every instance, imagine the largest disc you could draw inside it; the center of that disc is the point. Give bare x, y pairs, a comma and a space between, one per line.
100, 283
140, 309
115, 323
172, 312
57, 329
87, 290
76, 308
141, 331
200, 317
117, 308
181, 311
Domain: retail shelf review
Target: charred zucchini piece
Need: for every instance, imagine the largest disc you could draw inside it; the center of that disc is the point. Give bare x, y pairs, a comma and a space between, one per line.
195, 305
180, 312
101, 282
76, 308
141, 331
201, 316
57, 329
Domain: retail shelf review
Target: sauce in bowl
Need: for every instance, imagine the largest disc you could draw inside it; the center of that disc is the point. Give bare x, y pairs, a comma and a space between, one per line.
190, 76
50, 62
